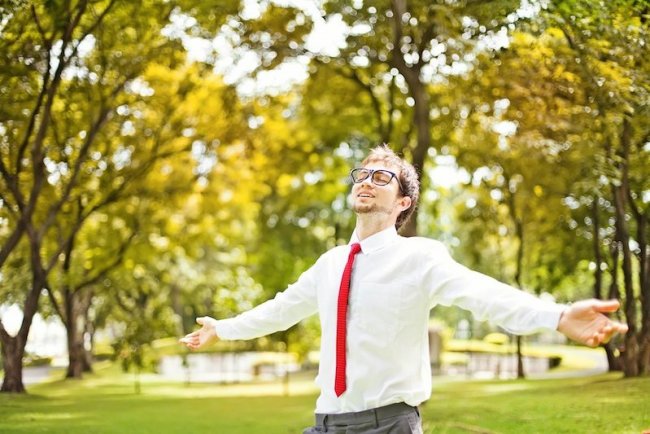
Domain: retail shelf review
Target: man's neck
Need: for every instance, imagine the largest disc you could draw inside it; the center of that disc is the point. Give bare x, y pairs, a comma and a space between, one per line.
367, 226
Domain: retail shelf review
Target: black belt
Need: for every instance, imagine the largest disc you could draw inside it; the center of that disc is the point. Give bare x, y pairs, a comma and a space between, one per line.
365, 416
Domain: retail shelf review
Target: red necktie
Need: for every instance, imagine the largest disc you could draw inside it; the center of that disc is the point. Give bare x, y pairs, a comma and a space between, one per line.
341, 317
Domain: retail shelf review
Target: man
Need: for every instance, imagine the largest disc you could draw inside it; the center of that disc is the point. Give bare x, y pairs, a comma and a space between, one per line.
373, 297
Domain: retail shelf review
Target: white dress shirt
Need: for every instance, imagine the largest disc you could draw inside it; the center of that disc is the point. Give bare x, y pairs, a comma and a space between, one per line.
395, 283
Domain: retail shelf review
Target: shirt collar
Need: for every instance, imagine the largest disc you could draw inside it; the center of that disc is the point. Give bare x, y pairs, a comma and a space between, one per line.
376, 241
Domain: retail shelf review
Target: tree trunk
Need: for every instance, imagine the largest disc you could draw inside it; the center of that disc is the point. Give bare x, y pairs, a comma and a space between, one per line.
613, 362
79, 363
422, 103
644, 287
598, 273
519, 230
422, 123
644, 278
77, 304
89, 331
12, 361
519, 269
621, 193
76, 359
631, 348
520, 358
644, 354
76, 352
13, 348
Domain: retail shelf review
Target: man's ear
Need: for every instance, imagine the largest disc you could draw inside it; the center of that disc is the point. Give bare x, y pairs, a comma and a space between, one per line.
405, 202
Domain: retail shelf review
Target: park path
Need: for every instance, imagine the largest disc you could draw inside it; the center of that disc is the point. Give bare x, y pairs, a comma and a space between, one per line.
36, 374
597, 364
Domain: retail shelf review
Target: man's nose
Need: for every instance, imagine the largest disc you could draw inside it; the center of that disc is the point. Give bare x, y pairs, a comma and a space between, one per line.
367, 181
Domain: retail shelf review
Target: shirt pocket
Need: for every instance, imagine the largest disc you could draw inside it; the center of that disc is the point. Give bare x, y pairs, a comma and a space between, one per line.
377, 310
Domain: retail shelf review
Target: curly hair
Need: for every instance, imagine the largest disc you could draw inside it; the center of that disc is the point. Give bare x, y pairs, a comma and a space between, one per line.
408, 177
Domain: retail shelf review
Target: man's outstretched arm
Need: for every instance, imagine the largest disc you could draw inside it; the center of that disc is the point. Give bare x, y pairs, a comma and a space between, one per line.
585, 322
288, 307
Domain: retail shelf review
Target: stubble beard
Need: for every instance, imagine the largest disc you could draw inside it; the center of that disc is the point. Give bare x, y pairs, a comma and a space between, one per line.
371, 208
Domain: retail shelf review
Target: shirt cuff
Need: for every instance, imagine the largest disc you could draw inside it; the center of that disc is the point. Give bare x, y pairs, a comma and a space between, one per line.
224, 330
550, 318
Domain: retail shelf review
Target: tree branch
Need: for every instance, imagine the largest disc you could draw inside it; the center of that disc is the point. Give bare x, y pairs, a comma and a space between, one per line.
12, 183
98, 21
56, 207
376, 104
117, 261
38, 154
64, 245
55, 303
47, 42
49, 91
4, 335
83, 153
424, 43
12, 241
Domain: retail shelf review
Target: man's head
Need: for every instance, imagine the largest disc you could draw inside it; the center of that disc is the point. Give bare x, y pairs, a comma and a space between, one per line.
399, 193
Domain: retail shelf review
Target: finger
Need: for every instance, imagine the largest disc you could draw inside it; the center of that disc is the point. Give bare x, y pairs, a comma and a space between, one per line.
188, 337
594, 341
606, 305
616, 327
621, 328
591, 342
203, 320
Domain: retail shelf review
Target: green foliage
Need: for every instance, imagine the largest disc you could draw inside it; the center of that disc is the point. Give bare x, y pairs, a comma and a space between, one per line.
161, 194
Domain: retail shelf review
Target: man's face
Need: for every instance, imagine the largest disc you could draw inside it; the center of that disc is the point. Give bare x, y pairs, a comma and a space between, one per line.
385, 200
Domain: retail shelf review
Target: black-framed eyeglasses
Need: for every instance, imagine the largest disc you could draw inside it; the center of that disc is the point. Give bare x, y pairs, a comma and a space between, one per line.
379, 177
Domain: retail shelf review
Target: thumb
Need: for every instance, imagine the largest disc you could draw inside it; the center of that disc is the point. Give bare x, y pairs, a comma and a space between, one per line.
606, 305
201, 320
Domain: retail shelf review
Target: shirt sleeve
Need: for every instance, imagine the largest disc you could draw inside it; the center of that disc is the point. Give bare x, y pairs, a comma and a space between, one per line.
518, 312
288, 307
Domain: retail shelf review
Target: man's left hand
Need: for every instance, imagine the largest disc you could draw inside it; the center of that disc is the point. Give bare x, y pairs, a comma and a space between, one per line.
585, 322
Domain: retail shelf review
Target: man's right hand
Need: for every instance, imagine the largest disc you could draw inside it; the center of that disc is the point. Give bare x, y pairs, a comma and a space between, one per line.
202, 337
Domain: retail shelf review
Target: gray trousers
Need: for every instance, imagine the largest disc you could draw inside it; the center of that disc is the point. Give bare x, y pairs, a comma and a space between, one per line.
391, 419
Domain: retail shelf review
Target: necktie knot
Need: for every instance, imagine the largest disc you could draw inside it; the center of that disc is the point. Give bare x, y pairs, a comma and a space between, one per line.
355, 248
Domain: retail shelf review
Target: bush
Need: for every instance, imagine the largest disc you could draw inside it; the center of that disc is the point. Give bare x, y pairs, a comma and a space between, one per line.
32, 361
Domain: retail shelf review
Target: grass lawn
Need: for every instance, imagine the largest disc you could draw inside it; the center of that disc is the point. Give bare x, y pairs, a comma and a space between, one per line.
106, 403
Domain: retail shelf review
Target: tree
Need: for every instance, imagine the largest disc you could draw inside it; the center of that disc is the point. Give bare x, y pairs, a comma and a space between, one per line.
616, 84
39, 44
572, 95
77, 68
392, 53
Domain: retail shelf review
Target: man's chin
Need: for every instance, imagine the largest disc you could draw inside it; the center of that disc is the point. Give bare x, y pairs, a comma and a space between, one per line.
363, 209
370, 209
